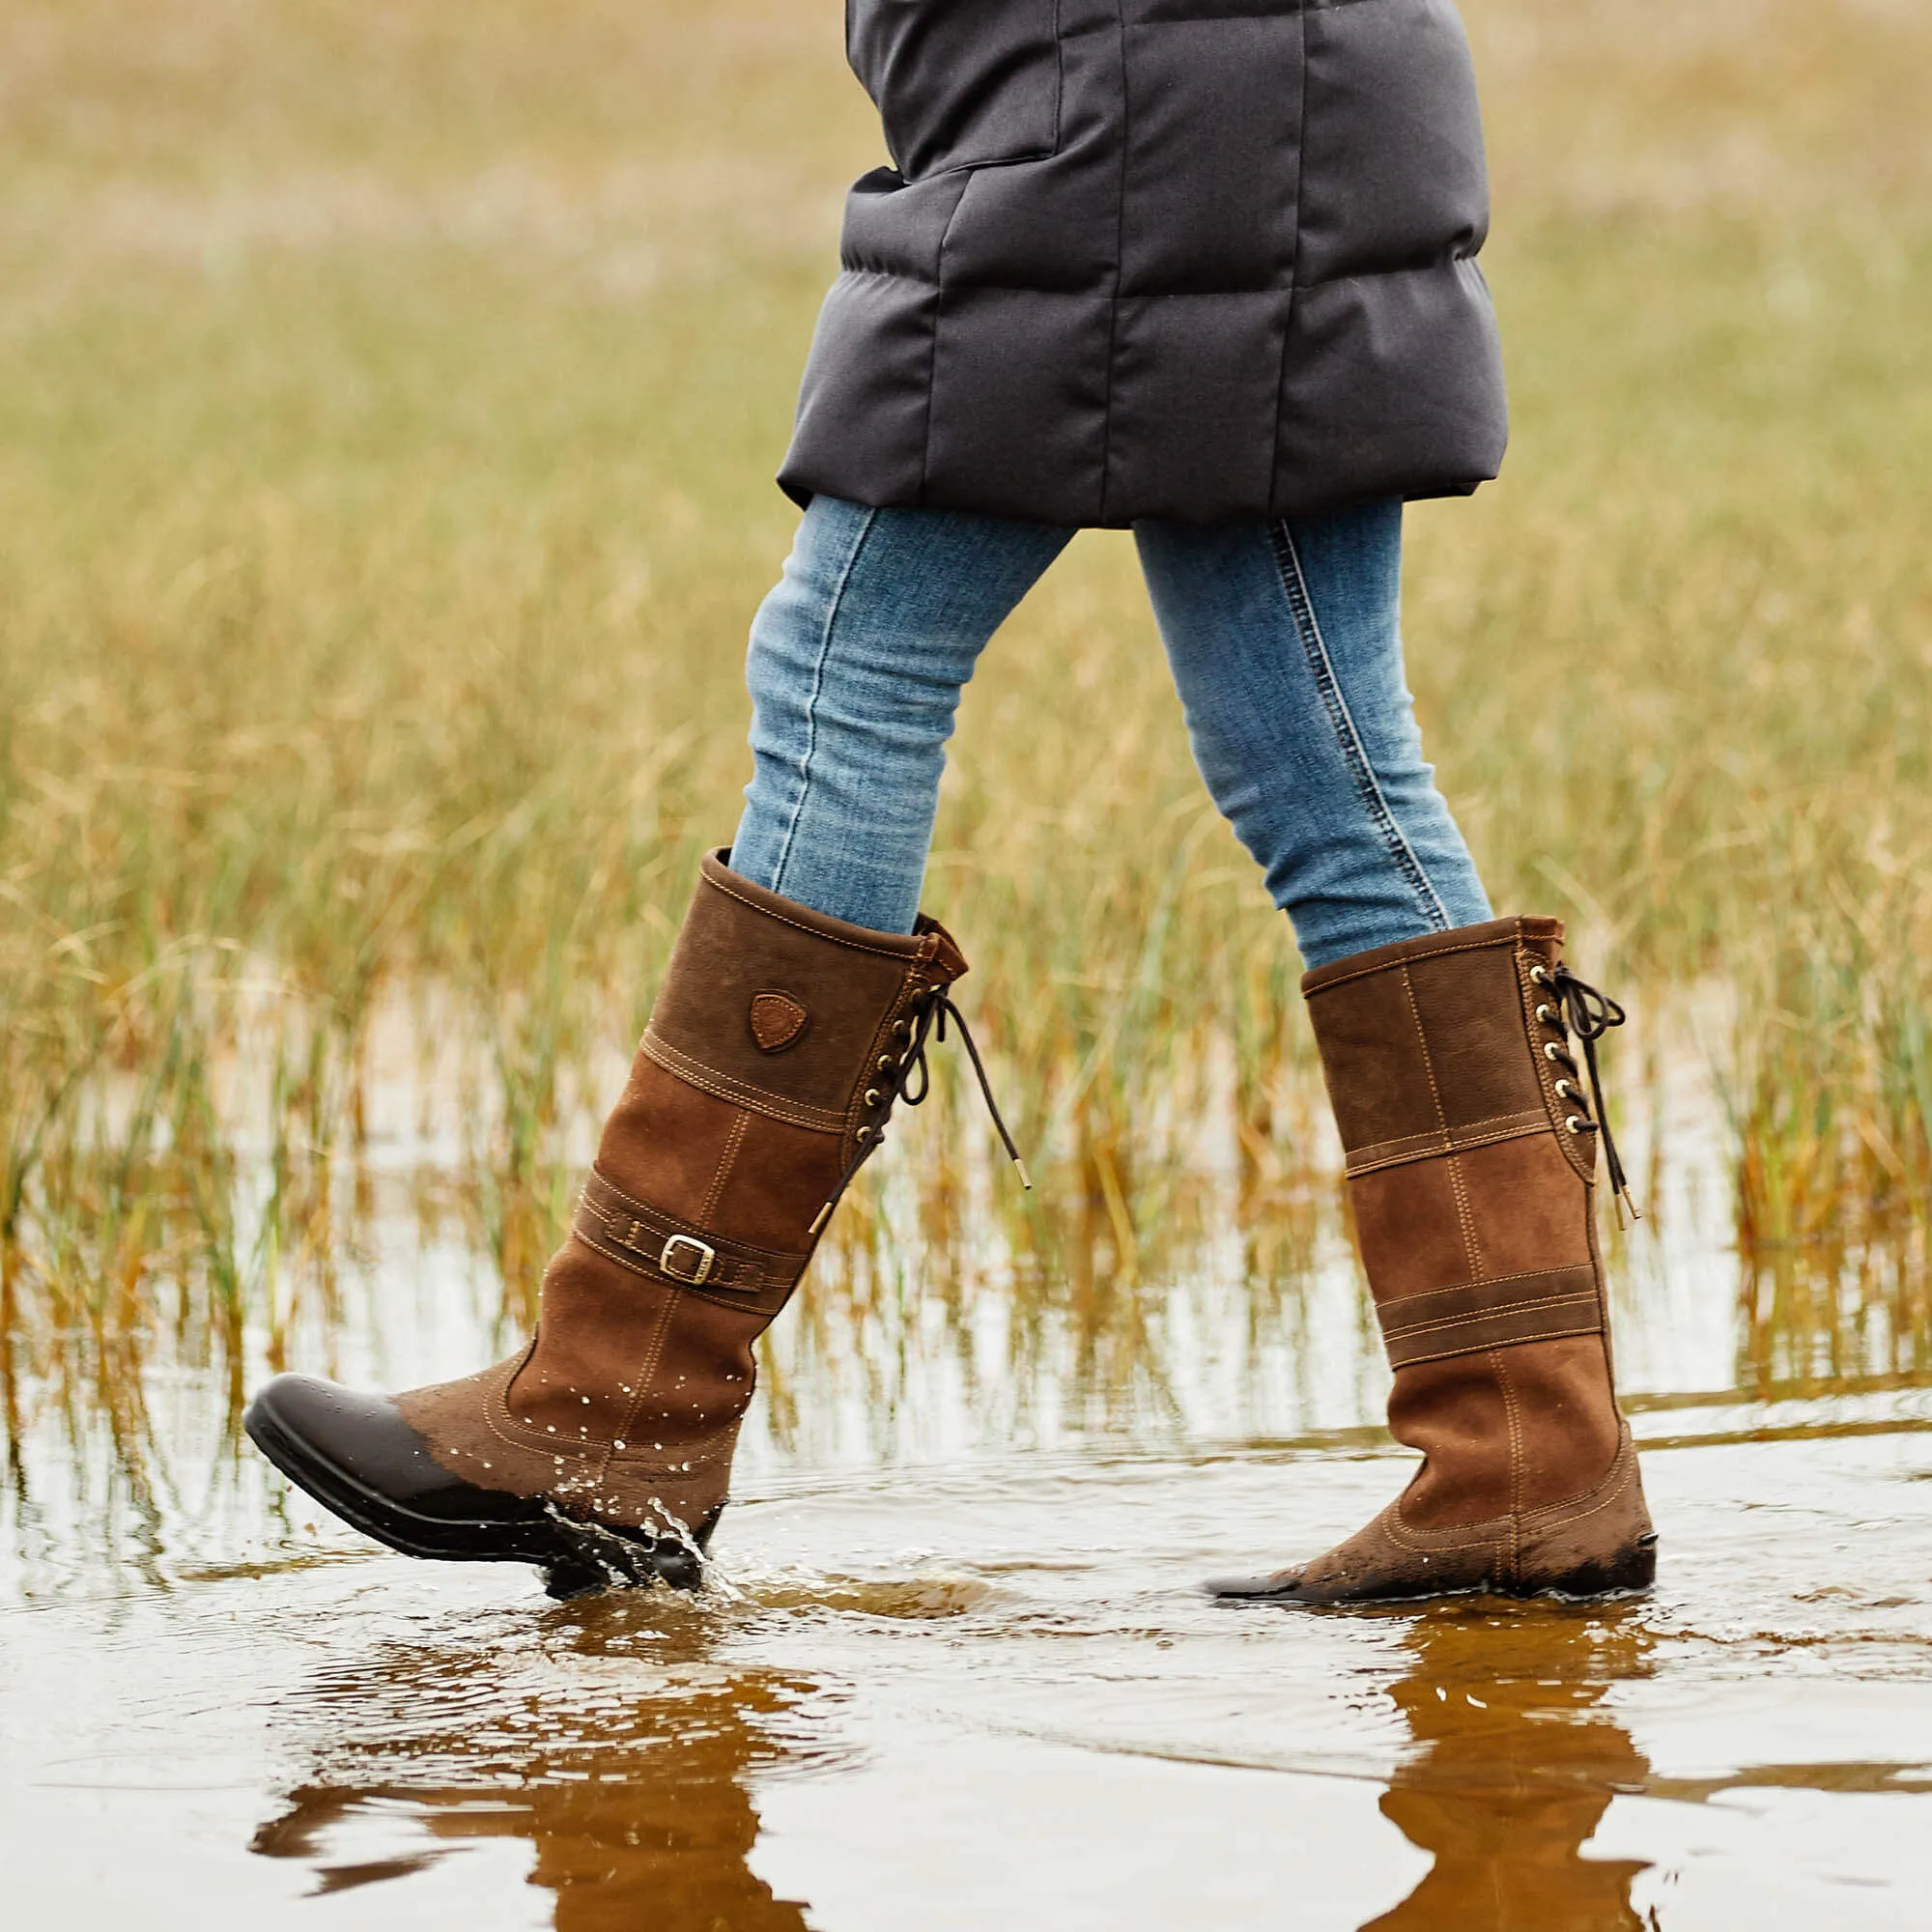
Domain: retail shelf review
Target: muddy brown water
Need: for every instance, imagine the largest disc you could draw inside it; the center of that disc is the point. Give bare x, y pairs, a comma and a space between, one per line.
951, 1671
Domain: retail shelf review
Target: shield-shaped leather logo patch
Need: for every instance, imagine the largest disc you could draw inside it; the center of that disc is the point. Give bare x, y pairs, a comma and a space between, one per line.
778, 1021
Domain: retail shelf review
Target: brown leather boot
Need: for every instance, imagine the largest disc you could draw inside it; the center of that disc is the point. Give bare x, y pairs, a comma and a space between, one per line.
1471, 1156
780, 1043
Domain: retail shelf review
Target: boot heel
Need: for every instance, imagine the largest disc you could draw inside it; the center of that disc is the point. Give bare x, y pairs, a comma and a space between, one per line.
1601, 1545
1630, 1572
594, 1556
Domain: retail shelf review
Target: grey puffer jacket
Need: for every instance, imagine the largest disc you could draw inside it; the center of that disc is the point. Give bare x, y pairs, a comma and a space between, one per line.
1189, 259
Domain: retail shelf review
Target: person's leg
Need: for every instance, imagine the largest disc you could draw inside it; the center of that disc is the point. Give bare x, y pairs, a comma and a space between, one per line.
1285, 645
857, 661
1444, 1038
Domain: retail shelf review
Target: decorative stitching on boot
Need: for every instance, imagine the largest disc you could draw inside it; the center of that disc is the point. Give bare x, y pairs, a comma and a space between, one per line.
726, 1160
1410, 1330
1471, 1247
721, 1087
521, 1436
1432, 1542
1482, 1341
830, 938
1501, 1371
707, 1449
1607, 1488
1610, 1496
1466, 1214
1380, 1154
1485, 1314
504, 1425
1579, 1272
653, 1354
1434, 953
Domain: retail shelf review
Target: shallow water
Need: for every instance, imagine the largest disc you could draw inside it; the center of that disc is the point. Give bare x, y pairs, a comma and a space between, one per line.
951, 1671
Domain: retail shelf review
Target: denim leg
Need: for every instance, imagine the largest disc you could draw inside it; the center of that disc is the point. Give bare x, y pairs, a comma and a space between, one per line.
1285, 645
857, 661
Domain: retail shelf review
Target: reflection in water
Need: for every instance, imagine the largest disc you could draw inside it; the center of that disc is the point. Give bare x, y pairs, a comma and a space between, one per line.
605, 1734
1518, 1758
602, 1733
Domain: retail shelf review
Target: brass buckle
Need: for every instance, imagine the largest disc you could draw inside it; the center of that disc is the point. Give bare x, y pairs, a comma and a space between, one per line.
707, 1257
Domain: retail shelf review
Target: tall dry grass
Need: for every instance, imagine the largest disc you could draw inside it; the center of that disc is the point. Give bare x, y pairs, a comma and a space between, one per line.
388, 407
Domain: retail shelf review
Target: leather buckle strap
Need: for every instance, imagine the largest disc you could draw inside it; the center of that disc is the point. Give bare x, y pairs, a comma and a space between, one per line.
650, 1242
1496, 1314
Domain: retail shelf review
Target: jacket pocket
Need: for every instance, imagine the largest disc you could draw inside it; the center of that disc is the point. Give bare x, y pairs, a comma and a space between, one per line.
959, 83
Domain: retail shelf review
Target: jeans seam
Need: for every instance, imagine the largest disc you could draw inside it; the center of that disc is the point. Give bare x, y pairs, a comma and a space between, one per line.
832, 614
1354, 754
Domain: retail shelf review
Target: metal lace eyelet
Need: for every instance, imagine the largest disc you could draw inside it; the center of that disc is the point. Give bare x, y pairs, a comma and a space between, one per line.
901, 1028
863, 1135
872, 1096
885, 1062
1541, 978
1566, 1090
1552, 1051
1575, 1125
1545, 1014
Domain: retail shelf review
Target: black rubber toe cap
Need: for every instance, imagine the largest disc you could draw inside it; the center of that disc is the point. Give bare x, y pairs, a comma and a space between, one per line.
343, 1445
356, 1455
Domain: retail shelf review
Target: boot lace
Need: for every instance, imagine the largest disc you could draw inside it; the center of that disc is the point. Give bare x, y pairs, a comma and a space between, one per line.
892, 1083
1575, 1006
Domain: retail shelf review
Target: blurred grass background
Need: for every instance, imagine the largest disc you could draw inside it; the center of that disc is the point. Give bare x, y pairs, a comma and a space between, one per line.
388, 401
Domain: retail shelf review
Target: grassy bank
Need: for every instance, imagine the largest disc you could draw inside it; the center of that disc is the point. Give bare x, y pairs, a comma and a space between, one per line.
387, 409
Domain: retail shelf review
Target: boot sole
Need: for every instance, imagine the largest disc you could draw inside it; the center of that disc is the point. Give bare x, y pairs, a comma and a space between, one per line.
576, 1556
1633, 1574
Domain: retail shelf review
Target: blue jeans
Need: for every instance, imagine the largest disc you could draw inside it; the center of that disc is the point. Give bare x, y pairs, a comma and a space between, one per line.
1286, 648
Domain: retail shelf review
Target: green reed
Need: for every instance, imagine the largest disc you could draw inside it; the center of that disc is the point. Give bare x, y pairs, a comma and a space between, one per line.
386, 415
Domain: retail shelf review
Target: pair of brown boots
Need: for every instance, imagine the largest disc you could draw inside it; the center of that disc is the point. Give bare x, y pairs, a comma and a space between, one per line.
778, 1047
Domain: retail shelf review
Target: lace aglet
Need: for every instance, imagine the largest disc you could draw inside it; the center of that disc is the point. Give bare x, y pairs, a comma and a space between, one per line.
1026, 1179
1625, 1199
824, 1215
